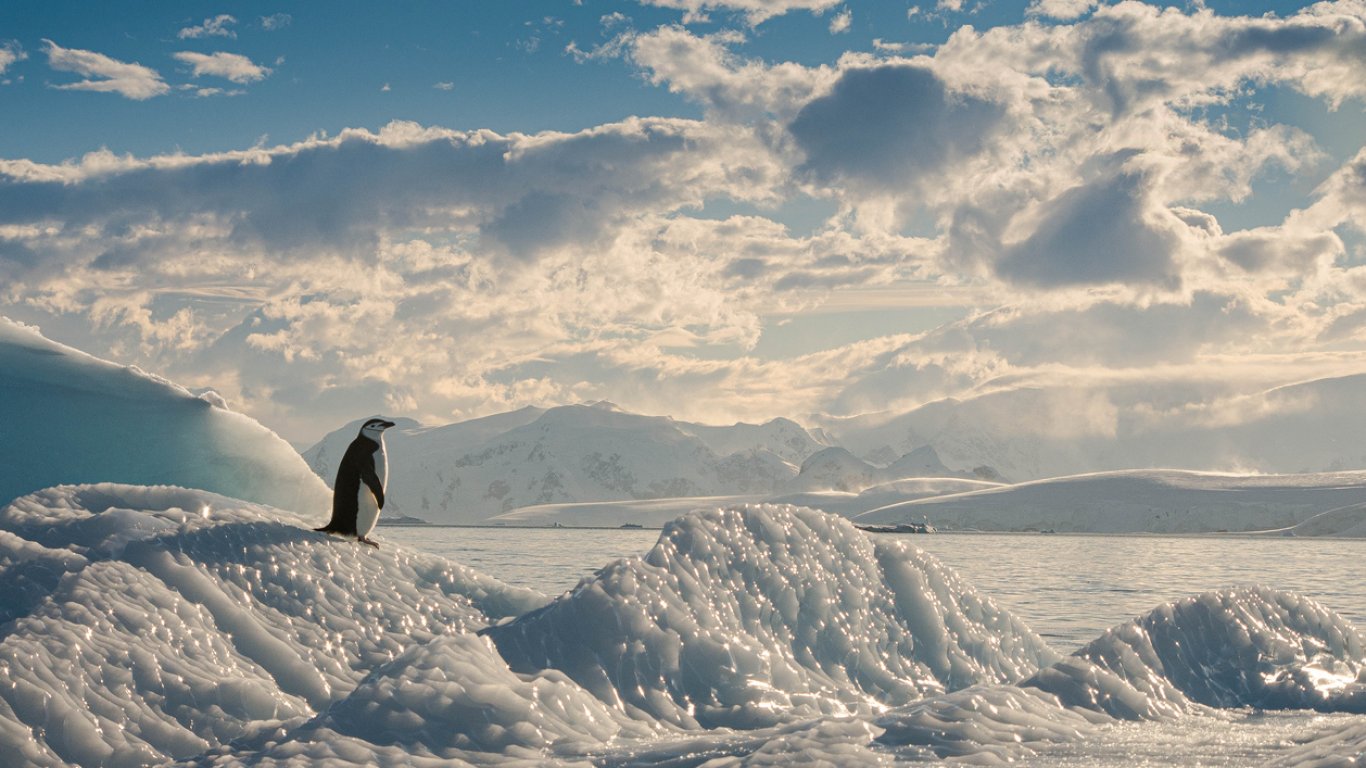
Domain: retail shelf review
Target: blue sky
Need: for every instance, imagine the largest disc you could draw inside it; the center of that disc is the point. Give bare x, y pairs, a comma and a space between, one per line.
714, 210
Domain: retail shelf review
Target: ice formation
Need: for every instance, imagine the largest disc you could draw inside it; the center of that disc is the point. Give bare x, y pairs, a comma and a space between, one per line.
146, 625
73, 418
1250, 647
151, 623
753, 615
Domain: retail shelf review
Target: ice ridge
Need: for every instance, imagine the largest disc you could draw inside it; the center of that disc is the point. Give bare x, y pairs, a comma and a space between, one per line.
153, 623
1247, 647
749, 616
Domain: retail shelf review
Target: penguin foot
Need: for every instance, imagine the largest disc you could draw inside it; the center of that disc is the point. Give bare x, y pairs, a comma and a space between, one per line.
371, 542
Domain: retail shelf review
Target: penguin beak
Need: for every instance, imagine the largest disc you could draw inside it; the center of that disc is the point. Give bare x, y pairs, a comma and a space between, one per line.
387, 424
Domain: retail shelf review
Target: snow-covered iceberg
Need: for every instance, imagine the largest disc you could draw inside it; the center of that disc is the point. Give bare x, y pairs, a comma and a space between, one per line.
73, 418
146, 625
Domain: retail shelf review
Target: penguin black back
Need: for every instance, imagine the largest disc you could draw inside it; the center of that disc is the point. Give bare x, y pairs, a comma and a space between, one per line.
357, 466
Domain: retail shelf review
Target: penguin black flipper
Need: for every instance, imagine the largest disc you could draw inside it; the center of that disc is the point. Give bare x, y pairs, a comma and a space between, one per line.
370, 477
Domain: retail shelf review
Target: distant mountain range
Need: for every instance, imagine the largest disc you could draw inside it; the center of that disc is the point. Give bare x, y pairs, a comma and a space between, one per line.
1036, 433
474, 470
471, 471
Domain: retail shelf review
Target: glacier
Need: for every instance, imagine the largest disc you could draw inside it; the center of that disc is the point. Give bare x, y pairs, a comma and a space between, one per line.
71, 417
161, 625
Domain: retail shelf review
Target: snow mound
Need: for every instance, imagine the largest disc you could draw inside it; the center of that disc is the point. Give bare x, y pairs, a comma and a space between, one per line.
1250, 647
457, 693
152, 623
753, 615
73, 418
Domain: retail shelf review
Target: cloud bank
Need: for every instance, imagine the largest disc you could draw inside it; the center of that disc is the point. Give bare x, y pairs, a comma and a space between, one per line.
1071, 175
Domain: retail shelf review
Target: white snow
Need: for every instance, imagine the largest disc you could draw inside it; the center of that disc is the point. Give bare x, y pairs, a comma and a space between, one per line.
1160, 501
73, 418
142, 625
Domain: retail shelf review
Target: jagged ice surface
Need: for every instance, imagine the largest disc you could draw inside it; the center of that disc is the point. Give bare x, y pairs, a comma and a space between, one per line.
144, 625
752, 615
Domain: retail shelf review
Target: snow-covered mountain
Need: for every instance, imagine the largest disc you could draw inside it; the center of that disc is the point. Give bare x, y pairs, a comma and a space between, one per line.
836, 469
467, 472
1037, 433
70, 417
1153, 501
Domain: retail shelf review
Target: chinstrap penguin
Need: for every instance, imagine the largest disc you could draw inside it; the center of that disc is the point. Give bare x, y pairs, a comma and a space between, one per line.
358, 493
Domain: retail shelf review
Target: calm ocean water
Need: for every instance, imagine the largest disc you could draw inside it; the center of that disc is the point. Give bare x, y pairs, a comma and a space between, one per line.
1069, 588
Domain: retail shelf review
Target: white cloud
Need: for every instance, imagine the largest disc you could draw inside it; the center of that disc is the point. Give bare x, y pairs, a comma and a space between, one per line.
1061, 9
444, 86
10, 53
841, 21
276, 21
229, 66
755, 11
104, 74
217, 26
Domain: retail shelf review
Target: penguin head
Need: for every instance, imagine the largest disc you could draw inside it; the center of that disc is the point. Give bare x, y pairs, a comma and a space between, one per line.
374, 428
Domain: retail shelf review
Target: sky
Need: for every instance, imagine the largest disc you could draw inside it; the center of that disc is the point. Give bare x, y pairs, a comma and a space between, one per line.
716, 210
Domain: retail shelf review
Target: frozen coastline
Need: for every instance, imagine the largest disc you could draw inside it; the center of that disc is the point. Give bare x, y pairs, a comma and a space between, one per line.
149, 625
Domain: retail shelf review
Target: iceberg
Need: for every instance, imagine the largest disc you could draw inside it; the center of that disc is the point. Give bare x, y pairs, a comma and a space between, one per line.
74, 418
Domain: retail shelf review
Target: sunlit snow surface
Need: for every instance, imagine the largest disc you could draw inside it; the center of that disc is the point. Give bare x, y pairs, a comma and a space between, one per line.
151, 625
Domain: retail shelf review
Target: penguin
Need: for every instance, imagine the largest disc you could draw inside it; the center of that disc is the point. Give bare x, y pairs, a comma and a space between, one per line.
358, 493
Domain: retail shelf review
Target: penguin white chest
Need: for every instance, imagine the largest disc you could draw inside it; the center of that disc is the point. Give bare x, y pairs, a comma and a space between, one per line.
367, 506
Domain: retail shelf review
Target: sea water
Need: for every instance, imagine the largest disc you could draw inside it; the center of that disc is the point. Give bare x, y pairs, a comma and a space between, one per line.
1068, 588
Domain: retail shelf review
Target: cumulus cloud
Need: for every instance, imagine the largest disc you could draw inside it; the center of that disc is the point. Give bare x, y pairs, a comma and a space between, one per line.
104, 74
1061, 9
216, 26
754, 11
1103, 232
890, 126
841, 21
230, 66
